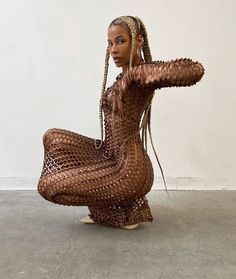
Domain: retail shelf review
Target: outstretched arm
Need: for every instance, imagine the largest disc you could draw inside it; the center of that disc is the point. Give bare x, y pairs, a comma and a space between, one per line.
158, 74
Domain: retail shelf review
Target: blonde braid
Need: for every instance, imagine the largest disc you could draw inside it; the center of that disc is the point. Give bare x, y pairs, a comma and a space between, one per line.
102, 95
130, 22
147, 114
148, 58
135, 27
145, 47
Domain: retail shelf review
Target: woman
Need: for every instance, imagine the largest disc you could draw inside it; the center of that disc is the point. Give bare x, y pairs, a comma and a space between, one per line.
112, 176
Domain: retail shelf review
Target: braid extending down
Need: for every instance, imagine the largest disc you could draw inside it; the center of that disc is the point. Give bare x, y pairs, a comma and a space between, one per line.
101, 98
135, 27
147, 124
129, 21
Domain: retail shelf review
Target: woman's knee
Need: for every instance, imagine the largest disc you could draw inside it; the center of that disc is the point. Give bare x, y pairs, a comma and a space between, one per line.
50, 135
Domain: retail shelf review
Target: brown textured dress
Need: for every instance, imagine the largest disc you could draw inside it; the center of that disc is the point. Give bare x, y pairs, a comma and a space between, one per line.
113, 180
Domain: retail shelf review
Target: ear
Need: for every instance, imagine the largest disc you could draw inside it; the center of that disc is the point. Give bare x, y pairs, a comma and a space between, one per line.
139, 40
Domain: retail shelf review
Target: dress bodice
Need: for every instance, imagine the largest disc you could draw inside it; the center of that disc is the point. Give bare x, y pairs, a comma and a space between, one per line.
132, 91
134, 102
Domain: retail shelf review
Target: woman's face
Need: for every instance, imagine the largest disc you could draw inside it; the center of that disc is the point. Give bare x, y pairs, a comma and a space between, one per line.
119, 44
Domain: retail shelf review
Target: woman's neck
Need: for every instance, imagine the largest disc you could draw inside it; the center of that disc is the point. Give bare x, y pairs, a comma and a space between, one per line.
126, 67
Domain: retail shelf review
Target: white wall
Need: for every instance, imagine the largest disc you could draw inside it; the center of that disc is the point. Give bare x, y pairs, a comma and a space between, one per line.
51, 70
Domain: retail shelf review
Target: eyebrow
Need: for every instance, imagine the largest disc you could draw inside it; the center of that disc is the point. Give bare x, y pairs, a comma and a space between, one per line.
119, 36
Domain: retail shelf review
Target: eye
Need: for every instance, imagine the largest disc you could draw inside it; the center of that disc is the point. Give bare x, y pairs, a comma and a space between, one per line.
120, 41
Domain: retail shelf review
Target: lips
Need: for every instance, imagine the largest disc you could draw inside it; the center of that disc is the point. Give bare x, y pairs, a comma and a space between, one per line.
116, 59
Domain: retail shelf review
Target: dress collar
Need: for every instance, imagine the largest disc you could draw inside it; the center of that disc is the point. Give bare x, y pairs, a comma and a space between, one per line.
121, 74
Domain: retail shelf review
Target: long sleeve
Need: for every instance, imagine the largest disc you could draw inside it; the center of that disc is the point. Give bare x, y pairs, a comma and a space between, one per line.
158, 74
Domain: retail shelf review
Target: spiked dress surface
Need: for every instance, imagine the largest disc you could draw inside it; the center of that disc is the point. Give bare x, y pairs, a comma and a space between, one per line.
112, 180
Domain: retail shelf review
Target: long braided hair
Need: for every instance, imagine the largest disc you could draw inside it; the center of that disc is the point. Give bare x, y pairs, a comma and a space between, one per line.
135, 27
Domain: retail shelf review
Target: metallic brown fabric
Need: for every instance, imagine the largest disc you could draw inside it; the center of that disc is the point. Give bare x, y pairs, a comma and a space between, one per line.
113, 180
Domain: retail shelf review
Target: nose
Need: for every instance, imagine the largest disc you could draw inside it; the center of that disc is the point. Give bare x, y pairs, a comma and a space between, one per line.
114, 49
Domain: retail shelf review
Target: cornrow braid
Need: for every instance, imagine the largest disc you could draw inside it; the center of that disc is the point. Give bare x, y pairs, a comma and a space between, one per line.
130, 22
145, 47
102, 95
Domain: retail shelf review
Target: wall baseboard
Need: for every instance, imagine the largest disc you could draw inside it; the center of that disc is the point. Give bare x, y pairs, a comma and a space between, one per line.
173, 183
195, 183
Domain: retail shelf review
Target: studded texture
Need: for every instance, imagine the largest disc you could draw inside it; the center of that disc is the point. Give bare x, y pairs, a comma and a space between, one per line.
113, 180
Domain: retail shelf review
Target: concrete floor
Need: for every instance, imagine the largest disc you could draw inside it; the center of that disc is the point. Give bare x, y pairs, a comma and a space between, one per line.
193, 235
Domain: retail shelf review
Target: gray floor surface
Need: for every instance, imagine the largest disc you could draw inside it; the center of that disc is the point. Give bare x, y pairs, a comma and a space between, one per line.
193, 235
